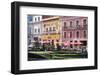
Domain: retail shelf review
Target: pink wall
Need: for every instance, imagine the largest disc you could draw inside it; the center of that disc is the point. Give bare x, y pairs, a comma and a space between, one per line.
73, 29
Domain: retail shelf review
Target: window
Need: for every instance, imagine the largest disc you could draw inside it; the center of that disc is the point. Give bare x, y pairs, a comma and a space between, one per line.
64, 34
54, 29
29, 30
84, 22
38, 30
35, 38
70, 23
35, 18
64, 24
35, 30
77, 22
46, 29
70, 34
57, 40
38, 18
50, 29
85, 35
77, 34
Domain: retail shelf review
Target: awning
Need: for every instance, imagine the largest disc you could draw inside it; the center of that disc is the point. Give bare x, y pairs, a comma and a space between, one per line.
77, 43
66, 43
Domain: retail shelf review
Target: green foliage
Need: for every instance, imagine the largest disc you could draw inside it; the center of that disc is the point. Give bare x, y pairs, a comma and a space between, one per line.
60, 55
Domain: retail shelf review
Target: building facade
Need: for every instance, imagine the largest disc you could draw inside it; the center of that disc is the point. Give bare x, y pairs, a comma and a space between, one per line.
74, 30
30, 24
58, 30
36, 28
51, 30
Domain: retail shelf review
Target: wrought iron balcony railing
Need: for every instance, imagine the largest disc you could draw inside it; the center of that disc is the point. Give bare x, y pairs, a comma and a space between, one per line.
76, 27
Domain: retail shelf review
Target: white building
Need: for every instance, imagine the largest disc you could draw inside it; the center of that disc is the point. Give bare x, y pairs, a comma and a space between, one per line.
30, 24
36, 28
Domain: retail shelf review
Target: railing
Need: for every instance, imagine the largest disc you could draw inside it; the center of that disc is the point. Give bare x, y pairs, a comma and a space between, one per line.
50, 32
75, 27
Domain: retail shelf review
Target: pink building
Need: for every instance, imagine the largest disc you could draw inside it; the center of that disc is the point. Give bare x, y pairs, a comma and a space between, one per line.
74, 30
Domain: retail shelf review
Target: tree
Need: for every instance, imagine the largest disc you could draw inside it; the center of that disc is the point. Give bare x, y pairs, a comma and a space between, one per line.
58, 47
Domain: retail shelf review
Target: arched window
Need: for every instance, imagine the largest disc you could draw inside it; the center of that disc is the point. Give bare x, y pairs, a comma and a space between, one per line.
77, 23
70, 34
84, 33
71, 23
64, 24
64, 34
35, 19
77, 34
84, 22
38, 18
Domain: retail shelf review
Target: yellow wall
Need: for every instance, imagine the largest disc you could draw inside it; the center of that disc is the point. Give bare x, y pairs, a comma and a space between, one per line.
50, 37
55, 35
52, 23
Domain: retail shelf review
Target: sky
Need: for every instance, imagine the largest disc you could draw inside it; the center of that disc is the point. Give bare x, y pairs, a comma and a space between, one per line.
29, 17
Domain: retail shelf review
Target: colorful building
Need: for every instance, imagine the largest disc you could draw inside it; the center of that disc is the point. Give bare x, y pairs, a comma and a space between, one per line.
74, 30
51, 30
36, 28
30, 24
58, 30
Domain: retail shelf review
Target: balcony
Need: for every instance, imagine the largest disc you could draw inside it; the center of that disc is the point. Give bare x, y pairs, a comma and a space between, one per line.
51, 32
68, 27
75, 27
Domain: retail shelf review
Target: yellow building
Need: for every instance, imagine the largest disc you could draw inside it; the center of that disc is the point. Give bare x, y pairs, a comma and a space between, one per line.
51, 30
